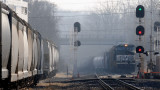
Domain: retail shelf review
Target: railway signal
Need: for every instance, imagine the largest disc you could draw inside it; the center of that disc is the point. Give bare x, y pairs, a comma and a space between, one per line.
155, 53
77, 43
139, 49
146, 53
140, 30
156, 26
77, 27
140, 11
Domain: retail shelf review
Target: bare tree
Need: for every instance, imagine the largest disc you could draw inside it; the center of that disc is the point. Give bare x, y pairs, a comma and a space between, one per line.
42, 18
117, 18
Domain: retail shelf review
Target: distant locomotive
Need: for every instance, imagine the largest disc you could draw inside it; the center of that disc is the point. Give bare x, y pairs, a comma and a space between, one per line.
120, 59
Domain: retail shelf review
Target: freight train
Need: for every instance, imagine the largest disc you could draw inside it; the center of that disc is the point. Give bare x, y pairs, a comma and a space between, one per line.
120, 59
25, 56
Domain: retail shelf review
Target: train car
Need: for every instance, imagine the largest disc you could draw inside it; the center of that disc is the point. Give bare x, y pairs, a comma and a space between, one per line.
51, 58
23, 52
98, 63
121, 59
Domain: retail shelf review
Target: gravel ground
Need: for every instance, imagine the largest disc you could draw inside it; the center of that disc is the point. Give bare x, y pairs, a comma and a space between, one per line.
57, 83
60, 82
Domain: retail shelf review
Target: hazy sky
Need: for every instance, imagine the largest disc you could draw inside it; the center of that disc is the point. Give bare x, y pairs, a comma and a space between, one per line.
75, 5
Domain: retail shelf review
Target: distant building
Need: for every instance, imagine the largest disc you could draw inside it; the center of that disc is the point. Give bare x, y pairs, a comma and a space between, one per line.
19, 6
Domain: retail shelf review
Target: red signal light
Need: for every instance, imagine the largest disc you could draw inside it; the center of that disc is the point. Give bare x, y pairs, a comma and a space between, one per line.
140, 32
139, 49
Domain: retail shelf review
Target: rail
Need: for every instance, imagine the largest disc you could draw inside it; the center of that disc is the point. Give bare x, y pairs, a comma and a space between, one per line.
129, 86
122, 83
103, 84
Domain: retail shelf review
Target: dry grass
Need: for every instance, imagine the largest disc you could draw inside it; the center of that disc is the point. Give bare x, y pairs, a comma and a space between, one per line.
62, 75
54, 84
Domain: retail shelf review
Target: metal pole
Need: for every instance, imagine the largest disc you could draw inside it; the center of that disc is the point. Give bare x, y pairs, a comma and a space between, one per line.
157, 40
125, 39
141, 72
151, 50
72, 50
0, 40
142, 65
75, 55
67, 70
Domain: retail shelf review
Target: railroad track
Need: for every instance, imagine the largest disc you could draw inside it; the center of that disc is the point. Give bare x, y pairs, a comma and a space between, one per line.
115, 84
98, 83
105, 85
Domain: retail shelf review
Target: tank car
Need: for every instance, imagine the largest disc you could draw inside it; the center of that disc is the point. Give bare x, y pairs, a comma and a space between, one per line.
24, 53
98, 63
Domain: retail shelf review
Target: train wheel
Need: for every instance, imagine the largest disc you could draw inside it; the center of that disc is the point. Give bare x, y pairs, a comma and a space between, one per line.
17, 85
5, 85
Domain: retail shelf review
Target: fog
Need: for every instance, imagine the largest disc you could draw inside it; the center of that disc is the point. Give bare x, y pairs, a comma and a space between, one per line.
105, 26
42, 18
108, 24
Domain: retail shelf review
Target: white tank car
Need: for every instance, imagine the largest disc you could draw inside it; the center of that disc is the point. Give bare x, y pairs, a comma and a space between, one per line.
98, 63
46, 57
30, 51
56, 58
38, 51
15, 48
25, 70
35, 55
53, 57
24, 55
42, 58
21, 52
6, 42
50, 57
40, 54
38, 47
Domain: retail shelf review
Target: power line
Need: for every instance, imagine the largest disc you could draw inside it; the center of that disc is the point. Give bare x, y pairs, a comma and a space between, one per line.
76, 15
83, 15
86, 2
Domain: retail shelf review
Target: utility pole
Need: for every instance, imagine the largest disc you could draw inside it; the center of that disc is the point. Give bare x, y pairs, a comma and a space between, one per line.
75, 71
76, 43
151, 49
